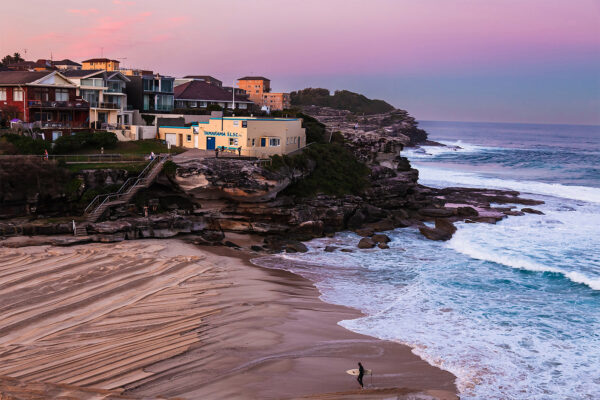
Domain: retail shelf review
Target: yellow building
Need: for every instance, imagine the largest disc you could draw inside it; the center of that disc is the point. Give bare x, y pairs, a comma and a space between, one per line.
100, 63
257, 137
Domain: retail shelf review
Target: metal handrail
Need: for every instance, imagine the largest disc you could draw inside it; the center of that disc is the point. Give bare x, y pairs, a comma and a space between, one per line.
126, 186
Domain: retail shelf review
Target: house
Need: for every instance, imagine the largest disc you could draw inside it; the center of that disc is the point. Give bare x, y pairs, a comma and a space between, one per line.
43, 99
101, 63
66, 64
258, 89
39, 65
253, 137
200, 94
105, 91
151, 93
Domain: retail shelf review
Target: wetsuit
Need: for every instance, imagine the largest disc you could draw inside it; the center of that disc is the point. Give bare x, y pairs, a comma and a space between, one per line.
361, 373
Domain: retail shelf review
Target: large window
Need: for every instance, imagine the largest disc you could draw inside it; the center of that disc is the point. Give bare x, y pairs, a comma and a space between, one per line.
17, 94
166, 85
146, 102
91, 96
274, 142
2, 93
62, 95
99, 82
149, 85
164, 102
233, 142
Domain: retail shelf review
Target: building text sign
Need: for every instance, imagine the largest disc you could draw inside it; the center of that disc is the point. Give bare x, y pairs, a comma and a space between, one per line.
214, 133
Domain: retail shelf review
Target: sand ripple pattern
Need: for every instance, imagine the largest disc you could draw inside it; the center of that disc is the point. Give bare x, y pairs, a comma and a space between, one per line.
97, 316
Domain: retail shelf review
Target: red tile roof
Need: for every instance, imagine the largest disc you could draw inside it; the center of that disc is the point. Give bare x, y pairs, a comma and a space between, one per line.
21, 77
200, 90
254, 78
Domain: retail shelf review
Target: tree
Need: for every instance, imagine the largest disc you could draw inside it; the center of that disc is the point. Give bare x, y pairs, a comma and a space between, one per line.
8, 59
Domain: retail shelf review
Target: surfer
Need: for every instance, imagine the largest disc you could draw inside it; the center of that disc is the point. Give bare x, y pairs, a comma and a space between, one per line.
361, 373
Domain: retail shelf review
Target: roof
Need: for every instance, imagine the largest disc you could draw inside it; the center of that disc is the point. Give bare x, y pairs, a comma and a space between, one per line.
200, 90
67, 62
254, 78
80, 73
205, 77
100, 60
21, 77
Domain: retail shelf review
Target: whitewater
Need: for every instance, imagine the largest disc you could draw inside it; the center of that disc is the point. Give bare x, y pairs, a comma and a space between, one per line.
512, 309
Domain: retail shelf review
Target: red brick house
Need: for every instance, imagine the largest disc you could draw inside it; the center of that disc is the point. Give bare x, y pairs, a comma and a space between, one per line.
43, 99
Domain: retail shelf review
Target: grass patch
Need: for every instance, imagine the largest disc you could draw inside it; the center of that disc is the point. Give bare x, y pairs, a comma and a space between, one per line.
134, 147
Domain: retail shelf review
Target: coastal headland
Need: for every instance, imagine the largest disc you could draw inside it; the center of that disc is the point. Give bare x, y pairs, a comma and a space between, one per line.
170, 319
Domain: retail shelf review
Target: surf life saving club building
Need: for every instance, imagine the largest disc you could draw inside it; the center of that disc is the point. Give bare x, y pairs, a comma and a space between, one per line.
257, 137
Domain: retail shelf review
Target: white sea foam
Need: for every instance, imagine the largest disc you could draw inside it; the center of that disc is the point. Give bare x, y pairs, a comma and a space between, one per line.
435, 176
462, 244
449, 148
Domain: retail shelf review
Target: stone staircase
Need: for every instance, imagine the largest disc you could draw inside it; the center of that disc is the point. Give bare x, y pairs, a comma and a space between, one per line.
101, 203
80, 230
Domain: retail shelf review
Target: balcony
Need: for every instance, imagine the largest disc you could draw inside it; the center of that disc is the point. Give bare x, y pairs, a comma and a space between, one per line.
78, 104
58, 125
112, 106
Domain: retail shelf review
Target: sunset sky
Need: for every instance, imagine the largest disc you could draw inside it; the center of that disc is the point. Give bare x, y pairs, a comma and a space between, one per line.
464, 60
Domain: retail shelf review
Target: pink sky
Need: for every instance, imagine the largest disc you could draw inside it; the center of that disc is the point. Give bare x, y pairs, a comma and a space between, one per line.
286, 40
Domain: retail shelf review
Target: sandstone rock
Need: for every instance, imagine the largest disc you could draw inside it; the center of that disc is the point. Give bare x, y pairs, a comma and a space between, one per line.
330, 249
383, 225
532, 211
256, 248
365, 232
366, 243
231, 244
295, 247
347, 250
383, 246
381, 238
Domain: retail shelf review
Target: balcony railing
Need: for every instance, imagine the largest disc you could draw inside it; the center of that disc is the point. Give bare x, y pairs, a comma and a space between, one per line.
95, 104
80, 104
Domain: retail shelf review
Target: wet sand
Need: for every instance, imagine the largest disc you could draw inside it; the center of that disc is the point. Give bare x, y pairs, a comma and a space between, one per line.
163, 318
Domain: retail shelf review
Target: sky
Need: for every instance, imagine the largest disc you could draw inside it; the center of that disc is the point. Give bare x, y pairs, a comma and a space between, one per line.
534, 61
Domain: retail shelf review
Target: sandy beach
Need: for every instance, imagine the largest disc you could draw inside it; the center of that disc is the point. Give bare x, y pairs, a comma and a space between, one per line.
169, 319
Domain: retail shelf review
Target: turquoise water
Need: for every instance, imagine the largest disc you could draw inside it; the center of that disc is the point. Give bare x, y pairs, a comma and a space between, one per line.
512, 309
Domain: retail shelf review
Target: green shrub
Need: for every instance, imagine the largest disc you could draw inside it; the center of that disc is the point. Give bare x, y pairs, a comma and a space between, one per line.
341, 100
169, 168
337, 171
23, 144
80, 140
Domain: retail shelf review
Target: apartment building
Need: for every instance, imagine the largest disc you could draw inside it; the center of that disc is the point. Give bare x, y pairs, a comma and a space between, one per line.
258, 89
100, 63
151, 92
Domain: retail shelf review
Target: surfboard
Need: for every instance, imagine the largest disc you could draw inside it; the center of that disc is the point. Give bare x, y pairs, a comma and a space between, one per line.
355, 372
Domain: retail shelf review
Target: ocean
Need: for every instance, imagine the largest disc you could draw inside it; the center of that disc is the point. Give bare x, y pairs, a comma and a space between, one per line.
512, 309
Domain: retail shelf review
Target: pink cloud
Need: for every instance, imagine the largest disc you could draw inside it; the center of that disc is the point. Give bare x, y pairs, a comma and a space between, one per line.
82, 12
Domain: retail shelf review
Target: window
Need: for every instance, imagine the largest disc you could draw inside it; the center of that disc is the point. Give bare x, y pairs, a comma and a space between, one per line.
2, 94
253, 142
17, 94
188, 138
62, 95
244, 124
236, 123
274, 142
233, 142
295, 139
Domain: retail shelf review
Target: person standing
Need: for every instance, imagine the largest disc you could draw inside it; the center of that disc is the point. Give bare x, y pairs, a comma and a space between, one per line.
361, 373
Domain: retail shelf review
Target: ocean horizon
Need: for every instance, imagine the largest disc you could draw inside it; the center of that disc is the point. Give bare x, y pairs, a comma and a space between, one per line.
511, 309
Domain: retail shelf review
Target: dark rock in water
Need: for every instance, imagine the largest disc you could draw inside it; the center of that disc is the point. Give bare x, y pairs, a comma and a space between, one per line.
467, 212
514, 213
532, 211
347, 250
295, 247
381, 238
383, 246
443, 230
330, 249
231, 244
366, 243
436, 212
256, 248
365, 232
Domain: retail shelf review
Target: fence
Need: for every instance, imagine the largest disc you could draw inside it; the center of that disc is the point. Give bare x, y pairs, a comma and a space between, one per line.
85, 158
